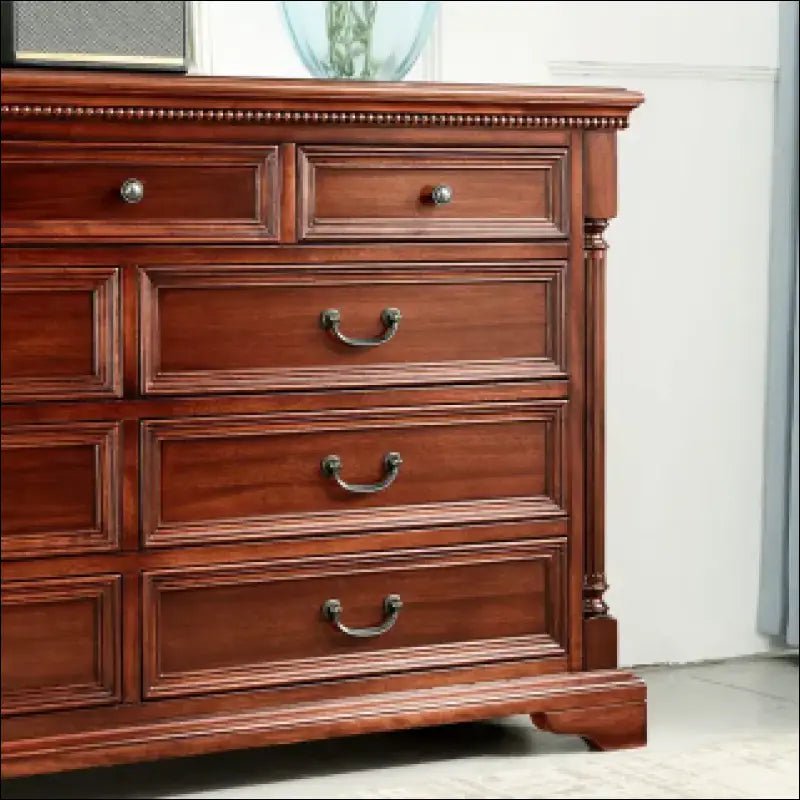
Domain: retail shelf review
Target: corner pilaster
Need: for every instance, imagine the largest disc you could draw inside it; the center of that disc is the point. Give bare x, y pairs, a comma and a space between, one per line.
600, 206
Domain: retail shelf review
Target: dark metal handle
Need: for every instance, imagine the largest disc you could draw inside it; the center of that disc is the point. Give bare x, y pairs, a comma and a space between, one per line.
132, 190
392, 604
331, 318
441, 195
332, 466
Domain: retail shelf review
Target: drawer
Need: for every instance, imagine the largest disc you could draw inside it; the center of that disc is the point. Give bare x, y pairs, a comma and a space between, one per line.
433, 193
195, 193
60, 643
261, 476
60, 488
237, 626
242, 329
60, 333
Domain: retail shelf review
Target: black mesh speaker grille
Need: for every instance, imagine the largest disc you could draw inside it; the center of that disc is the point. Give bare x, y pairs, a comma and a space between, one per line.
128, 30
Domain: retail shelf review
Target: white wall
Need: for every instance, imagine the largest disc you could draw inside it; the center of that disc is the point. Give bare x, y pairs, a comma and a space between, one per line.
687, 280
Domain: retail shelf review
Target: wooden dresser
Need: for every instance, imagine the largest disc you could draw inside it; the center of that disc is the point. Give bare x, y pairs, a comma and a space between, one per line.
302, 415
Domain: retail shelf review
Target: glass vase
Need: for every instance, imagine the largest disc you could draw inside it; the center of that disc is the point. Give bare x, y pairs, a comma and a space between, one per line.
359, 40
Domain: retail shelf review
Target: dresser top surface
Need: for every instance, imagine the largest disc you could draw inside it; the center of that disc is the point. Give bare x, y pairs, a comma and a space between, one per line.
51, 89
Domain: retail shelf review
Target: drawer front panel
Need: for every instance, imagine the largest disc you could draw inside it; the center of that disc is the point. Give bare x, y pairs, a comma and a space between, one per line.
220, 479
189, 192
60, 643
60, 489
237, 626
229, 329
386, 193
60, 333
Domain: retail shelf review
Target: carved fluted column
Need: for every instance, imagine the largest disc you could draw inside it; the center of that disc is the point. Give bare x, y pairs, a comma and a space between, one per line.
595, 583
600, 206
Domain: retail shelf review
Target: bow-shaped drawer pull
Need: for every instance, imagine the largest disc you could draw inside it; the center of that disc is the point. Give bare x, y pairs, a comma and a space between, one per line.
332, 467
331, 318
392, 604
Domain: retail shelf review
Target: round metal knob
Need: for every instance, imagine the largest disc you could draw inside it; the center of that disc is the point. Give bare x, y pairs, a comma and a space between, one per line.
441, 194
132, 190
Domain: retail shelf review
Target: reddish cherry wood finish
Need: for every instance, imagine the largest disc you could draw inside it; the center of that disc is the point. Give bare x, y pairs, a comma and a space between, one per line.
60, 643
611, 727
60, 332
32, 95
370, 193
600, 204
60, 488
60, 192
230, 478
228, 328
345, 708
461, 605
168, 394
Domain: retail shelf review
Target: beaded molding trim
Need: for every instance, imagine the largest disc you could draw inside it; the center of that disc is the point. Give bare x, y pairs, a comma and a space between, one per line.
317, 117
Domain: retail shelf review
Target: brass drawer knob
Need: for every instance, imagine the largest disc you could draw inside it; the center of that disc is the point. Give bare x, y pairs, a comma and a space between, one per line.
332, 468
132, 190
331, 318
392, 604
441, 195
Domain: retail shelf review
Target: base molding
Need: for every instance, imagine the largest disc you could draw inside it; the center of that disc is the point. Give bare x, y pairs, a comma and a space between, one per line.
606, 707
602, 728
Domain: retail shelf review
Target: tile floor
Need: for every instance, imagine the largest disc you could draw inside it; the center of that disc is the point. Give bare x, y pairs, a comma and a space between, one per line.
695, 704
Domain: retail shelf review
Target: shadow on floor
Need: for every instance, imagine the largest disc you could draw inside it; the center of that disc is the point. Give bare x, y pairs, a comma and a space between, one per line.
507, 737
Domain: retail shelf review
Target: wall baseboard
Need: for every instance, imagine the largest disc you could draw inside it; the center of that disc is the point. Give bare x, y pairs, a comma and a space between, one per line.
780, 652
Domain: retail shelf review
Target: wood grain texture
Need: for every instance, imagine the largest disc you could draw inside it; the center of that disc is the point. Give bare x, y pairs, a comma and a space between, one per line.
599, 175
243, 329
595, 583
60, 643
60, 332
61, 192
255, 254
123, 130
600, 204
382, 193
262, 623
255, 724
133, 563
131, 636
139, 408
600, 642
288, 199
575, 295
613, 727
229, 478
178, 546
191, 99
60, 489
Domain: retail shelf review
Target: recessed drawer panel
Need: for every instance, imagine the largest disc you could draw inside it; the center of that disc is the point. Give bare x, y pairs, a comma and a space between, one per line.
237, 626
233, 329
227, 478
60, 489
139, 192
60, 643
433, 193
60, 333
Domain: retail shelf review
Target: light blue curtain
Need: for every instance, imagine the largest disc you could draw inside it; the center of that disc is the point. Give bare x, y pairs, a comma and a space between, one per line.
778, 599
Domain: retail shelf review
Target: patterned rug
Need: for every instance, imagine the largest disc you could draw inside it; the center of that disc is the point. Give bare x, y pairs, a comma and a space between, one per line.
758, 768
